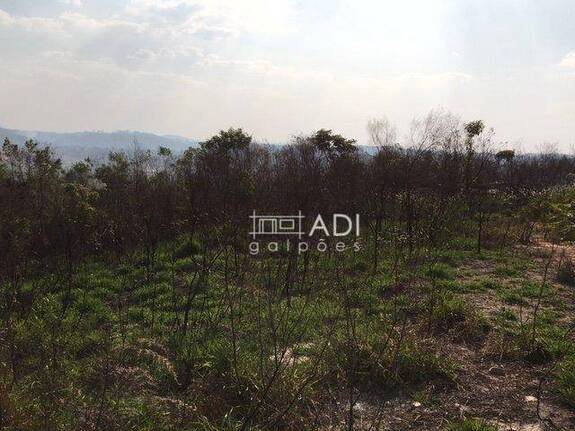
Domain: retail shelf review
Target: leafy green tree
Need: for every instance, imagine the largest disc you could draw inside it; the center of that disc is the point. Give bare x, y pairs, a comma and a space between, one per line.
332, 144
227, 140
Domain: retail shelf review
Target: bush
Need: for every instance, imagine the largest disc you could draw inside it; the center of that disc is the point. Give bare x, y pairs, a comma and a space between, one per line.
188, 247
566, 273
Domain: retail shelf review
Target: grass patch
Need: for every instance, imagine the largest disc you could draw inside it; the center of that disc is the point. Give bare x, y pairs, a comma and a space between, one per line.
532, 290
511, 297
471, 425
506, 271
447, 311
439, 271
491, 284
505, 314
566, 380
460, 287
417, 364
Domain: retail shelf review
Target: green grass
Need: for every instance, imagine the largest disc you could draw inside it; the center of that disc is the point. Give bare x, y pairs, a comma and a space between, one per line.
449, 309
439, 271
471, 425
566, 380
417, 364
512, 297
533, 290
490, 284
506, 271
122, 322
507, 315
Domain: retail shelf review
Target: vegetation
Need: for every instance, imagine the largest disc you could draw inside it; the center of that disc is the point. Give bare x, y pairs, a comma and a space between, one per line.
472, 425
131, 299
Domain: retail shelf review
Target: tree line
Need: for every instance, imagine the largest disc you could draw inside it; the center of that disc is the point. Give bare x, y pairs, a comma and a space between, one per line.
445, 175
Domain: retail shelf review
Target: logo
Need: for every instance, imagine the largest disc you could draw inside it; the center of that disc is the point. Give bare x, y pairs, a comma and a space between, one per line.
276, 225
284, 232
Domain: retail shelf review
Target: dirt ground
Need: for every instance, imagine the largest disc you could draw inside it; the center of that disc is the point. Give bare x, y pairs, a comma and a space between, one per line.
505, 390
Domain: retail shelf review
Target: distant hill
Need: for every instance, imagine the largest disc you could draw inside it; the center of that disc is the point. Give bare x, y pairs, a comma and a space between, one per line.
76, 146
72, 147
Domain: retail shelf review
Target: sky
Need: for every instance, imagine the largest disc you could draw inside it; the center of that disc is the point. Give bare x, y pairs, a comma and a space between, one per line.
280, 68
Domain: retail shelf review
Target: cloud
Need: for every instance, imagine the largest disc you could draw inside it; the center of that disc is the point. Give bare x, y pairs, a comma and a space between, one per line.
219, 16
154, 35
568, 61
75, 3
111, 40
427, 80
72, 23
5, 18
79, 22
277, 67
30, 24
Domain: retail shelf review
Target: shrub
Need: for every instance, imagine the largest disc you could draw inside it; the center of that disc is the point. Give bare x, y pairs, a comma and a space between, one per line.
188, 247
566, 273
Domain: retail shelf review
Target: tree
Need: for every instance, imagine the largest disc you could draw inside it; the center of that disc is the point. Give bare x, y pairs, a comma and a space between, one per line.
505, 155
473, 129
227, 140
382, 133
333, 145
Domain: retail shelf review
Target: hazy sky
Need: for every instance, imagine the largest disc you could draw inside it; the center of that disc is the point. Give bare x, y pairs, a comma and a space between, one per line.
284, 67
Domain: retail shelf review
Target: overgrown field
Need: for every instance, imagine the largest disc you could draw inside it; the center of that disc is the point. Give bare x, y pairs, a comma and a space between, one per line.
131, 299
189, 341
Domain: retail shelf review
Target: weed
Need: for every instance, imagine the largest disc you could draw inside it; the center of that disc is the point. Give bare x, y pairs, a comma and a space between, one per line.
471, 425
447, 311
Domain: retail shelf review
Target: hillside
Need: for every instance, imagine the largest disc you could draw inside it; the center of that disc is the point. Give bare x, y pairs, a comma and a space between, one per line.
76, 146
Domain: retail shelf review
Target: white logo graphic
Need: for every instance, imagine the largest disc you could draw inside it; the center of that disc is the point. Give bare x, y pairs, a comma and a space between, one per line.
276, 225
292, 226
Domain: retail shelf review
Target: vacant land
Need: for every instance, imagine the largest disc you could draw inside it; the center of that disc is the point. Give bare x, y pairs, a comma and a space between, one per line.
132, 299
164, 347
